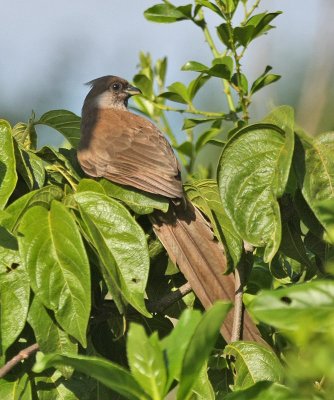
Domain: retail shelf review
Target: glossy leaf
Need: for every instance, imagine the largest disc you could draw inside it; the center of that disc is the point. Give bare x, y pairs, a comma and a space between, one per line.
65, 122
19, 389
253, 173
314, 166
25, 135
138, 201
253, 363
304, 306
14, 300
264, 80
200, 346
194, 66
176, 343
222, 67
146, 361
8, 175
53, 252
49, 336
176, 92
210, 5
224, 35
42, 197
30, 167
196, 84
120, 242
205, 195
106, 372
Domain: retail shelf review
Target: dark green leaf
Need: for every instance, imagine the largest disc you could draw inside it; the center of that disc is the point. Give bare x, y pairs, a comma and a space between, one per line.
42, 197
205, 137
244, 34
292, 245
30, 167
146, 361
211, 6
53, 252
261, 22
14, 300
253, 363
196, 84
241, 83
177, 92
264, 80
138, 201
65, 122
8, 175
223, 34
253, 172
106, 372
121, 244
185, 148
164, 13
205, 195
222, 68
200, 346
314, 166
326, 215
48, 334
299, 307
263, 391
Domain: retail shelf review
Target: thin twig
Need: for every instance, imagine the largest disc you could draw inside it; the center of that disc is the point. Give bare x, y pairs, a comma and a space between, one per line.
171, 298
238, 305
22, 355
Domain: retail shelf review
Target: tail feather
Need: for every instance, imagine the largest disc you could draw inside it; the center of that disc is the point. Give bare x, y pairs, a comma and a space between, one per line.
190, 244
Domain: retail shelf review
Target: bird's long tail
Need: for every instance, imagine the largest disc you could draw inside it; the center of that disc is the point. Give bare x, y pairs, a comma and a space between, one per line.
190, 243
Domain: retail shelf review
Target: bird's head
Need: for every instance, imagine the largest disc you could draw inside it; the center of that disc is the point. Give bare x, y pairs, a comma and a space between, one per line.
110, 92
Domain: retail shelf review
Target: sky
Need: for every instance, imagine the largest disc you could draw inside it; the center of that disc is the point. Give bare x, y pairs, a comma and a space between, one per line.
50, 49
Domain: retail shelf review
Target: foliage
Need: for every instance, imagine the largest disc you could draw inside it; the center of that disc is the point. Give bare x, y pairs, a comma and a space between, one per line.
82, 274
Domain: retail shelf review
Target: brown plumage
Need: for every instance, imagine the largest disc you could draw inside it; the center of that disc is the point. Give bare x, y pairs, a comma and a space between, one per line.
128, 149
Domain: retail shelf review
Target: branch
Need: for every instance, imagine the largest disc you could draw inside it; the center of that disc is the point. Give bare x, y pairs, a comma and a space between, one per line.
22, 355
238, 305
170, 298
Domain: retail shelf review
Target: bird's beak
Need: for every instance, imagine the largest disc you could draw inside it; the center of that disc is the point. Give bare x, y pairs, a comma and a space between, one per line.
132, 91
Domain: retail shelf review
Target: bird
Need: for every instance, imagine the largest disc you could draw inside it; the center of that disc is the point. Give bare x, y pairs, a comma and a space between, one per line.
129, 149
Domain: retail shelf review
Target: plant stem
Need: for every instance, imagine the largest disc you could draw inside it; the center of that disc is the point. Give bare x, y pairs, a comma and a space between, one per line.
216, 54
188, 111
252, 9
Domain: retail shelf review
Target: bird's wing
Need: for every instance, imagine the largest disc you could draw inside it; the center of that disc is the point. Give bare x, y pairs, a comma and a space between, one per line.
130, 150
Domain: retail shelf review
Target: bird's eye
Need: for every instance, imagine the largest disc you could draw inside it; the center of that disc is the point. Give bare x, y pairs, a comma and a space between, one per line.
116, 86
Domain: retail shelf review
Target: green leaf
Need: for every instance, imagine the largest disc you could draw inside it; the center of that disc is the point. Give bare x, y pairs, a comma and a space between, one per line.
264, 80
222, 67
211, 6
42, 197
194, 66
305, 306
176, 92
263, 391
30, 167
165, 13
121, 244
292, 245
243, 34
19, 389
205, 137
25, 135
185, 148
176, 343
224, 35
144, 83
14, 301
65, 122
106, 372
196, 84
325, 211
261, 22
240, 82
146, 361
205, 195
253, 173
8, 177
140, 202
200, 346
253, 363
53, 252
48, 334
314, 166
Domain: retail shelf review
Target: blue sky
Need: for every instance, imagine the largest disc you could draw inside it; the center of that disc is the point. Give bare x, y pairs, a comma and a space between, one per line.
49, 49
